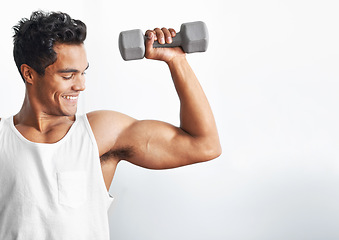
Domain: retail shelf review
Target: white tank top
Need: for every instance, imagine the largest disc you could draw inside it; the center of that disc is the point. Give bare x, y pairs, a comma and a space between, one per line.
52, 191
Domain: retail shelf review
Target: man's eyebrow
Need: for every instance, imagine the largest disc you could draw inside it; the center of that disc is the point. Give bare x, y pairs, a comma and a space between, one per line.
71, 70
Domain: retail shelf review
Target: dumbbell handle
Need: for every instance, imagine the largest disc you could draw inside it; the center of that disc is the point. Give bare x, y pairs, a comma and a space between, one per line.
176, 42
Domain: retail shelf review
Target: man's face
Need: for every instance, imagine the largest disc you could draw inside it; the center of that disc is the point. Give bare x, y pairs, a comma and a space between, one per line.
58, 90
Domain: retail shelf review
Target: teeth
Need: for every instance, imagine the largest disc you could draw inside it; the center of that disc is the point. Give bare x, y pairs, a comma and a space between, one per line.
70, 97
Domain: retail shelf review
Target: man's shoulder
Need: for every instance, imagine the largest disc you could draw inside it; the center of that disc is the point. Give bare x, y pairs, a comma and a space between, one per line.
107, 125
107, 117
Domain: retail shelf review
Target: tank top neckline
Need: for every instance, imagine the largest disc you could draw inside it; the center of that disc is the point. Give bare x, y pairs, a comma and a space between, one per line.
24, 139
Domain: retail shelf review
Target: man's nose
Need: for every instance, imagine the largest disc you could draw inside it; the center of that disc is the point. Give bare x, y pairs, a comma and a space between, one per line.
79, 83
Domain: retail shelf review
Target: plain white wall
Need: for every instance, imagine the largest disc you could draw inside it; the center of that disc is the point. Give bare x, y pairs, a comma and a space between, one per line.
271, 75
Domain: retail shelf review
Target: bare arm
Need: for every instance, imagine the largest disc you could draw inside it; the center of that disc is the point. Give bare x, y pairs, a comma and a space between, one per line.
159, 145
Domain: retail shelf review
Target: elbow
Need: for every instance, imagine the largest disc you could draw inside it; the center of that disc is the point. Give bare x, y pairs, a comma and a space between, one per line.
218, 151
214, 153
211, 150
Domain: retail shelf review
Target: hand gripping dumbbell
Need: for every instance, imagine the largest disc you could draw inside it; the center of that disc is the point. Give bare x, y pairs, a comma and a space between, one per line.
193, 37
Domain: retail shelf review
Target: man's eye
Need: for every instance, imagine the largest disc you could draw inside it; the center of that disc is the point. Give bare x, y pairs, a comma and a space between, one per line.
68, 77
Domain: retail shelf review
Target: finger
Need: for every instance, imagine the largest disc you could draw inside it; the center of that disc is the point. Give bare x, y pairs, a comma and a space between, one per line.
160, 35
150, 39
149, 34
173, 32
167, 35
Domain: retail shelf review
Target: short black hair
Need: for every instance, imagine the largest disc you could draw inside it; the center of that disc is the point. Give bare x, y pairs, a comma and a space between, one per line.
35, 38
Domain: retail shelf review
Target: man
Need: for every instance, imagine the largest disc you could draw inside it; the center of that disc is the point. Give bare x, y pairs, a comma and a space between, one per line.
53, 184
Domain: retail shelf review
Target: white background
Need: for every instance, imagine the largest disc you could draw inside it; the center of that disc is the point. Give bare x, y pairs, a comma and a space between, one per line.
271, 75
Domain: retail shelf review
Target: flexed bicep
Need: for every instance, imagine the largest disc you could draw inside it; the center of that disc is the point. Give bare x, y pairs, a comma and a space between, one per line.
159, 145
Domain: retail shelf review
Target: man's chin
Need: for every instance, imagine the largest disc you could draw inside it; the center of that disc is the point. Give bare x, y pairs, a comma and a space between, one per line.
70, 112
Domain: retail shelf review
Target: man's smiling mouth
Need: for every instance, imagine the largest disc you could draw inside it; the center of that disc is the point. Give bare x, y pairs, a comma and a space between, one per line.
70, 97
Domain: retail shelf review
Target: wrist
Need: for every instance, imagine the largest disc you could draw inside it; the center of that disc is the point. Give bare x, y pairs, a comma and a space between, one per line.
179, 59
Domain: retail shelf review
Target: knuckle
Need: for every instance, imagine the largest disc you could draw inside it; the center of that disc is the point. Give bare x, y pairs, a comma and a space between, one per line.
172, 31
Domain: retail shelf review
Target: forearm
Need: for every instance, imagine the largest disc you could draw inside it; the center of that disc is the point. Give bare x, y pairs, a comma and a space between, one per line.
196, 117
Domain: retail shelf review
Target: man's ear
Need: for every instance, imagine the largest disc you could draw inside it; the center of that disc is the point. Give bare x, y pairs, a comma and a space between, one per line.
27, 73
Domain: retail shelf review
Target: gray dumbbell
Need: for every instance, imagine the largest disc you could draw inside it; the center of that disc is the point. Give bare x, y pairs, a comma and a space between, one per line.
193, 37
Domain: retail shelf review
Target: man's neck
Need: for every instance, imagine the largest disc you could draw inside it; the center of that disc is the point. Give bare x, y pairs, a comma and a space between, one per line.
36, 118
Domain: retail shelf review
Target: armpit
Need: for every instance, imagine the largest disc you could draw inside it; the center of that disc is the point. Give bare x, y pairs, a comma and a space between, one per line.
121, 154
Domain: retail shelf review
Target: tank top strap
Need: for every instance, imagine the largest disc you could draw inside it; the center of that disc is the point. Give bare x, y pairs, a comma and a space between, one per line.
84, 123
